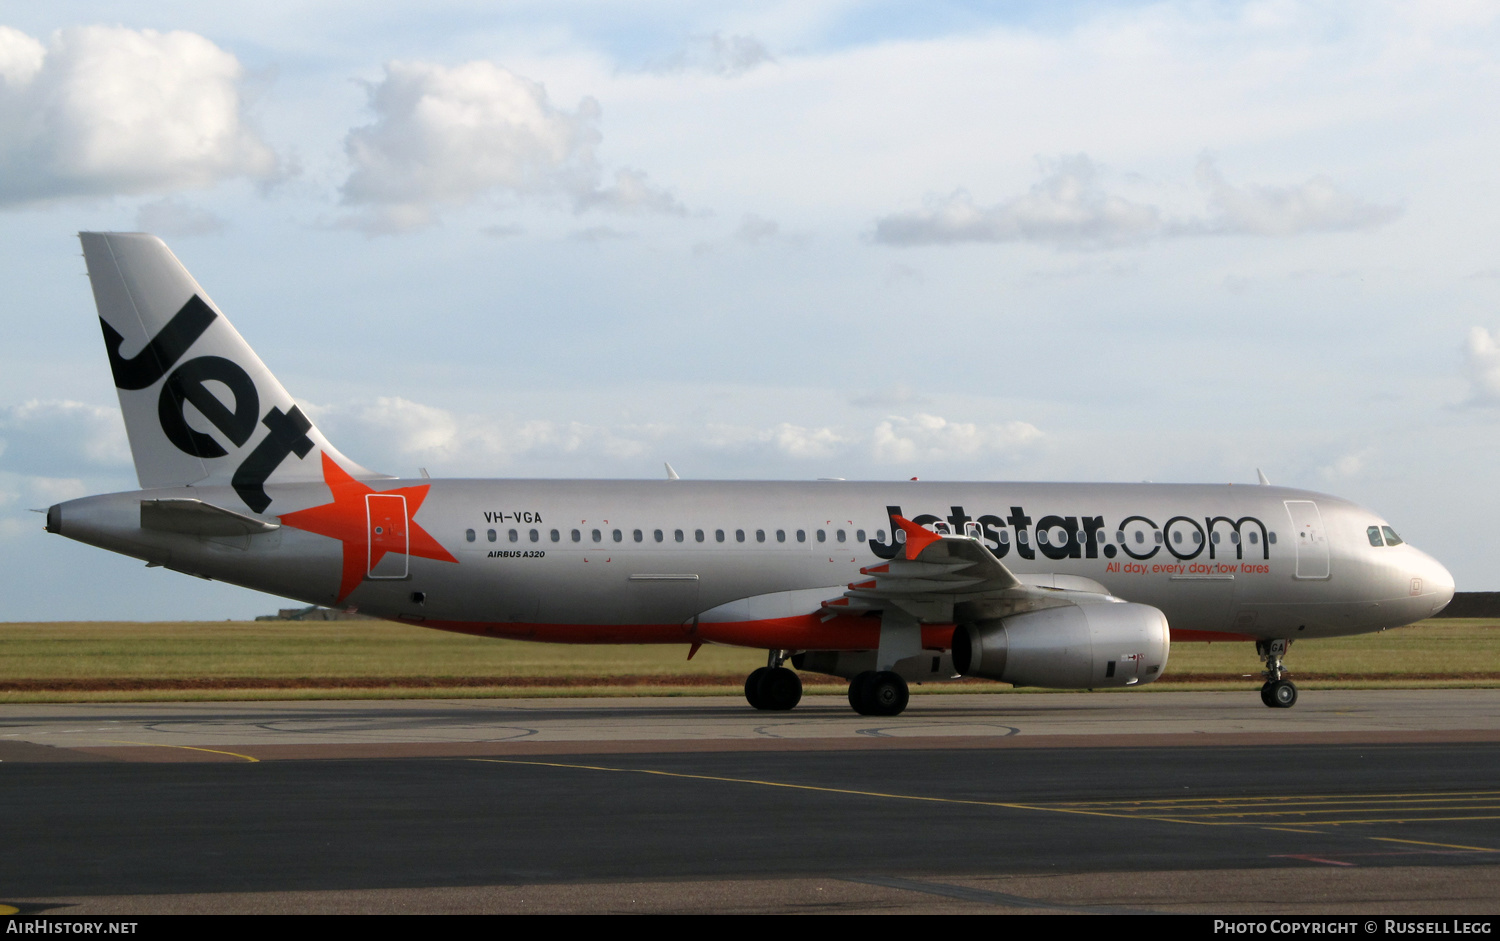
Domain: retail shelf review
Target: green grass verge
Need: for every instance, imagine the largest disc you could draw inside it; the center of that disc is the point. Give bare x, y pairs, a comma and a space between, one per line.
308, 660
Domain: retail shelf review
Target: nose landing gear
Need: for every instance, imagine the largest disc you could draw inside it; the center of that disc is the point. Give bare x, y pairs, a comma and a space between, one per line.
1278, 692
773, 688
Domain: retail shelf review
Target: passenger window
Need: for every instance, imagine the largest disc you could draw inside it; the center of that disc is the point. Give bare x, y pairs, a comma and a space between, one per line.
469, 534
490, 535
1156, 537
1271, 537
1120, 536
760, 535
879, 536
719, 535
598, 536
656, 534
739, 535
1391, 539
515, 536
619, 536
802, 535
781, 535
1041, 536
1177, 536
839, 535
1004, 537
822, 536
1254, 538
1234, 537
698, 535
1214, 537
536, 536
677, 536
859, 536
578, 536
556, 536
639, 537
1140, 536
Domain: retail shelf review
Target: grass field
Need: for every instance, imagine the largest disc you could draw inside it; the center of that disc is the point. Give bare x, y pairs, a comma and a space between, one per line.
317, 659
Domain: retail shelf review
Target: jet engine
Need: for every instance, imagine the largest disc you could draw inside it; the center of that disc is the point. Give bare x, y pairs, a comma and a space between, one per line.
1086, 646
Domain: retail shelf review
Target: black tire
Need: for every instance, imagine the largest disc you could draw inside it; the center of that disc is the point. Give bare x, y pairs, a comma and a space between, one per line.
857, 692
1265, 694
1283, 694
753, 687
780, 690
886, 694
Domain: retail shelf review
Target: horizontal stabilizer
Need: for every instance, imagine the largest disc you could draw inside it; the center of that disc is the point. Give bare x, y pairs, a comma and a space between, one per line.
196, 518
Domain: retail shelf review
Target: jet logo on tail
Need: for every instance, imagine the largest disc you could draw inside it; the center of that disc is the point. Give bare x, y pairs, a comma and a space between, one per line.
186, 385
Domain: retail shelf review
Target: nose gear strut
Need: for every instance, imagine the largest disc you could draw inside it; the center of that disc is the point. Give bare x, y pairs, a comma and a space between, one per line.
1278, 692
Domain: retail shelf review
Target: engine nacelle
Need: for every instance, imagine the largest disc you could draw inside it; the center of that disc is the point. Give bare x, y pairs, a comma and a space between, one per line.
1086, 646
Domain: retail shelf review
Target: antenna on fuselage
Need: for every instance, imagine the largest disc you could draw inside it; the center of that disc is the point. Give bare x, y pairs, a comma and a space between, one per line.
1264, 480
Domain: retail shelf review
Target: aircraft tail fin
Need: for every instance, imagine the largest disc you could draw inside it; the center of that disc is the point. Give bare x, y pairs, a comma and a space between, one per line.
201, 409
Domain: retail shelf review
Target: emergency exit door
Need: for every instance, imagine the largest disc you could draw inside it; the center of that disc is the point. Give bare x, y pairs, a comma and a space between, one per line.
1309, 537
389, 539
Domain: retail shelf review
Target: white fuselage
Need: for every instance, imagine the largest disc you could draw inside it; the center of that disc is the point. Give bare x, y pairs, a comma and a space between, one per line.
589, 560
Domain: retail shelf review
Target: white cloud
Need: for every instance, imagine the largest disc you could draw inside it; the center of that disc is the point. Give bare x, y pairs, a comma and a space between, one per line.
1314, 206
631, 192
931, 438
448, 137
783, 440
600, 233
1483, 354
102, 110
1067, 207
398, 432
60, 437
718, 55
1348, 465
1071, 207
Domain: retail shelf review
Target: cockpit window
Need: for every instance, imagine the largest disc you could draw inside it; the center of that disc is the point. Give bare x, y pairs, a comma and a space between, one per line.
1374, 533
1391, 539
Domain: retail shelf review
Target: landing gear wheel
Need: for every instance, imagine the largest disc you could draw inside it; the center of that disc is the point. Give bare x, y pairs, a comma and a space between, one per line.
753, 687
887, 695
780, 689
857, 691
1265, 694
1281, 694
879, 694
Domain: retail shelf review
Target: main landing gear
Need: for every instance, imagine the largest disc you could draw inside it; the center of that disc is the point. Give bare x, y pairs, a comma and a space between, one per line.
1278, 691
773, 687
880, 693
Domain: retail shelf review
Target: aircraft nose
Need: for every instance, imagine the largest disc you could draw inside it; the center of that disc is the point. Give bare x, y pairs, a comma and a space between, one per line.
1437, 582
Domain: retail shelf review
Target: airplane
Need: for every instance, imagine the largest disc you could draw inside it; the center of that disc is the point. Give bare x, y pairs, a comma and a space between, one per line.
1057, 585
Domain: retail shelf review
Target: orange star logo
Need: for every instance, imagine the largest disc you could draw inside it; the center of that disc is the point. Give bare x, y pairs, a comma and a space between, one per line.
348, 519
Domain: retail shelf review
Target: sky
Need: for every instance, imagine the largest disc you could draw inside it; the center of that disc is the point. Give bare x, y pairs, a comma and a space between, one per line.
956, 241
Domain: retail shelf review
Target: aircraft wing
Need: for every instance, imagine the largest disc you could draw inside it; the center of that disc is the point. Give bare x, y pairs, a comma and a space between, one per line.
942, 578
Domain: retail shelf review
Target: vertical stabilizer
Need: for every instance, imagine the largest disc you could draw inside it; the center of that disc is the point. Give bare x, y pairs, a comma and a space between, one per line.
200, 407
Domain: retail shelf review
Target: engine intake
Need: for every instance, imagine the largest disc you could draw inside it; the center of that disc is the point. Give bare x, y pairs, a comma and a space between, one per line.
1087, 646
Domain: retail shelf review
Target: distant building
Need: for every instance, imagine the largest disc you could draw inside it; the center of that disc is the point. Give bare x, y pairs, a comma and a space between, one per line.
314, 613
